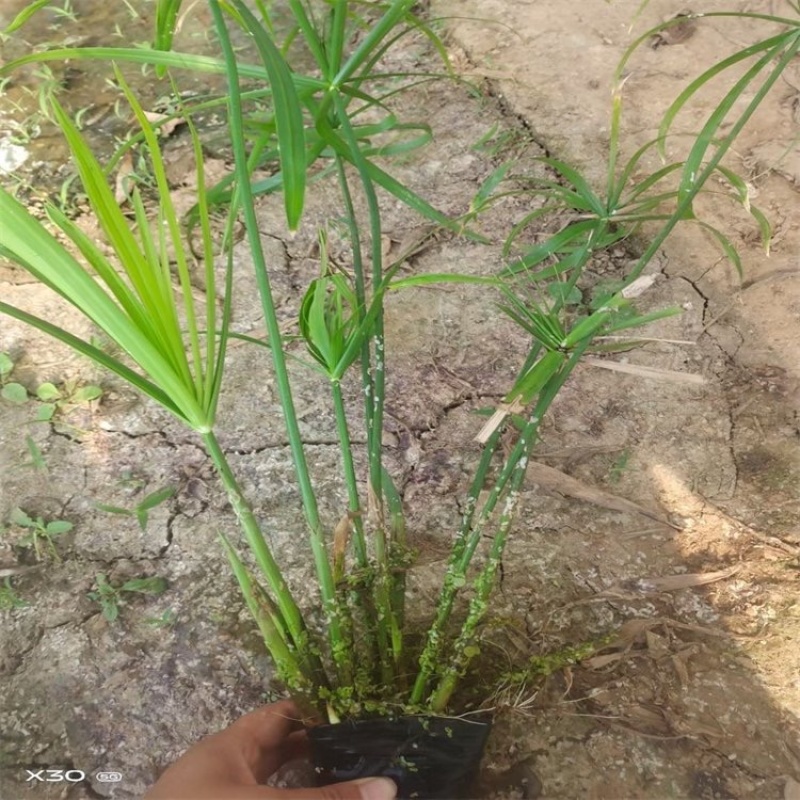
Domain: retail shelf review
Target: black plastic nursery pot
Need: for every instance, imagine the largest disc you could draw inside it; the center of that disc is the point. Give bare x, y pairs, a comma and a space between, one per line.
429, 758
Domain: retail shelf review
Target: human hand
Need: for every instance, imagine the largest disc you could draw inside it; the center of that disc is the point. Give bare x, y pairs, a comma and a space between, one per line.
233, 764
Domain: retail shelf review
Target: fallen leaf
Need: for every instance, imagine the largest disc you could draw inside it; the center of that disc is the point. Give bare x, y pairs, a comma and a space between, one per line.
702, 725
651, 717
166, 129
10, 572
678, 33
125, 179
634, 629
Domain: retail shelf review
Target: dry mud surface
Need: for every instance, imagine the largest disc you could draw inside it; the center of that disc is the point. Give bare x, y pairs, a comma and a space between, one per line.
697, 693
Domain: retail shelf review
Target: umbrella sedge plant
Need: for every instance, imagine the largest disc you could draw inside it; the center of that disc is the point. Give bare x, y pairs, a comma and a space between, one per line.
365, 660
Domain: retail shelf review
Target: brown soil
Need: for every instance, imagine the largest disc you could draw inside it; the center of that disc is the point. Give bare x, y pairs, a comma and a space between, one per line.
696, 691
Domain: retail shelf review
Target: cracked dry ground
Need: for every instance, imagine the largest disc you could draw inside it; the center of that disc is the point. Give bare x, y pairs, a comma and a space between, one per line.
696, 694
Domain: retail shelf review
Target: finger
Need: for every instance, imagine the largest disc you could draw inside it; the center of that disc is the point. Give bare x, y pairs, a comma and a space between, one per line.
268, 725
297, 746
364, 789
265, 737
244, 754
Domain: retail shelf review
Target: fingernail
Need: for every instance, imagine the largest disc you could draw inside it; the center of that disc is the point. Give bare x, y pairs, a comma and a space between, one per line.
376, 788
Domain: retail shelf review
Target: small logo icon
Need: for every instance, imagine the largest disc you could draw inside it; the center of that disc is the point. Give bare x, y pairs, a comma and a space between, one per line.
108, 777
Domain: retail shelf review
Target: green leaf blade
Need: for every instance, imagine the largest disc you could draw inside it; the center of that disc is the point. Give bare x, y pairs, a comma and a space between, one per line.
154, 585
288, 117
14, 393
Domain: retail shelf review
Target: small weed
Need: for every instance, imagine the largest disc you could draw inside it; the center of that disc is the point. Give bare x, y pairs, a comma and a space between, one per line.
9, 598
37, 461
564, 294
66, 11
10, 391
619, 466
54, 399
111, 598
141, 510
132, 481
166, 620
41, 534
497, 141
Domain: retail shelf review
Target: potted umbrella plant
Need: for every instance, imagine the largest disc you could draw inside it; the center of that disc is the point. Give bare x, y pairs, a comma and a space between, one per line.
388, 698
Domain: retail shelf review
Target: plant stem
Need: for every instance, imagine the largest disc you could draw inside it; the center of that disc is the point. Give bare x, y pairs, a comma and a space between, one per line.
468, 538
483, 585
270, 623
290, 618
470, 534
378, 377
398, 552
451, 584
376, 639
341, 655
389, 634
361, 293
354, 501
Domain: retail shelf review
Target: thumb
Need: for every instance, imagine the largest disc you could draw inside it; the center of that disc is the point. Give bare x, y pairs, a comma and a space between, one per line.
363, 789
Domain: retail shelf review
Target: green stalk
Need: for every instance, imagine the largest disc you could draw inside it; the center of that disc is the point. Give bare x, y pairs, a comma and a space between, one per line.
361, 292
375, 643
354, 502
483, 585
469, 537
345, 593
378, 375
463, 650
291, 619
398, 551
389, 633
467, 540
270, 623
341, 655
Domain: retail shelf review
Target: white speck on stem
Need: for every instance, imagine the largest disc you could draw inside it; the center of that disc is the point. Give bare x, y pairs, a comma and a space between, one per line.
511, 501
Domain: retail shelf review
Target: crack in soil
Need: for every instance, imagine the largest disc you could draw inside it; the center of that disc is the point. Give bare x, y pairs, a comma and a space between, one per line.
444, 411
77, 621
263, 448
170, 533
506, 110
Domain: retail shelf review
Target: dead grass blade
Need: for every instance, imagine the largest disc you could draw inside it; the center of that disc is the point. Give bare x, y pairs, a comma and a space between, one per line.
674, 583
554, 480
341, 536
646, 372
516, 406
